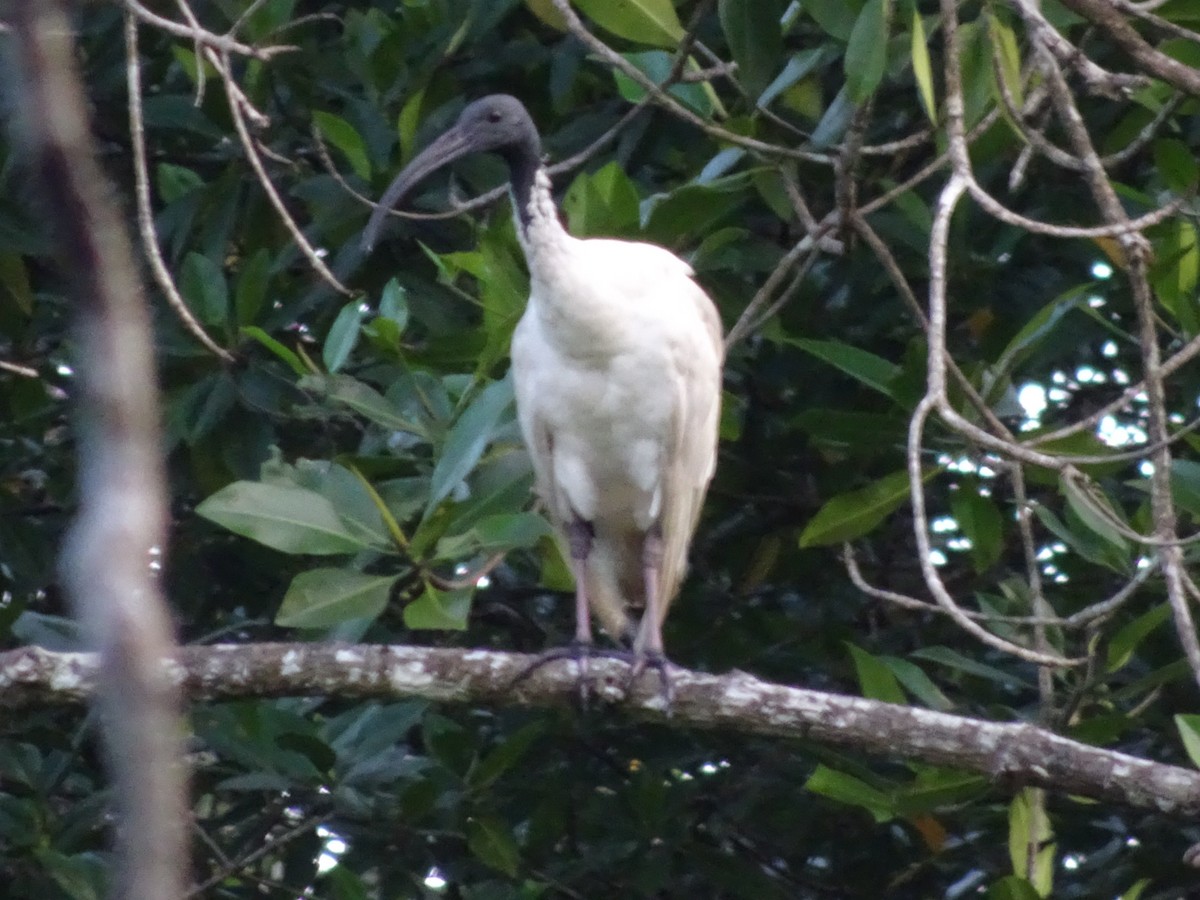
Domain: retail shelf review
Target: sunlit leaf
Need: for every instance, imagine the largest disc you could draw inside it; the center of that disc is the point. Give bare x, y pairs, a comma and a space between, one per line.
1030, 840
439, 610
652, 22
321, 598
850, 790
342, 135
922, 68
290, 519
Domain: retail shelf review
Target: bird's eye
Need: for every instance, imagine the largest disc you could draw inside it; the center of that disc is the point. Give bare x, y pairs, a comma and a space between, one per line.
494, 116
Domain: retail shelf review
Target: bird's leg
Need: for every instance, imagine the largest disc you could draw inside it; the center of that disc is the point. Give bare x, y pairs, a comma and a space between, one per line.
579, 539
579, 536
648, 645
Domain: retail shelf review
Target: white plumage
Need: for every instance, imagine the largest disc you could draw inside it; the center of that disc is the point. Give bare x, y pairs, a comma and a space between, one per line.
617, 367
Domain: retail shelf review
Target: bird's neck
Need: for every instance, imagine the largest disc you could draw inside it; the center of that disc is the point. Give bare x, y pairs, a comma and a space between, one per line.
538, 225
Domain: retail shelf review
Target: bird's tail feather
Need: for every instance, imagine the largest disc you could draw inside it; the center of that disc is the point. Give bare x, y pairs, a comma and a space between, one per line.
614, 578
678, 525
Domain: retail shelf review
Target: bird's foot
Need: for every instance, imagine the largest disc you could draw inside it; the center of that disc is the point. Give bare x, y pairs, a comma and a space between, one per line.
644, 661
580, 652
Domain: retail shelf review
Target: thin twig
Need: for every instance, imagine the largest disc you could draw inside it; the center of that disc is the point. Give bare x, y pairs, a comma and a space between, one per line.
221, 43
145, 214
307, 249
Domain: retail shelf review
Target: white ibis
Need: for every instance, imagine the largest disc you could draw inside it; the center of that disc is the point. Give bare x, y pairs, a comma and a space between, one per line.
617, 369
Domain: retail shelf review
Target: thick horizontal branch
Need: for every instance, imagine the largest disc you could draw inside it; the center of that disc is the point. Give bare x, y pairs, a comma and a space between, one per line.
1010, 753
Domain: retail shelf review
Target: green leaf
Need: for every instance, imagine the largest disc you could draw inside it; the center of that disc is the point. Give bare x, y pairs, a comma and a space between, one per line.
873, 371
322, 598
1089, 502
938, 789
853, 432
866, 54
290, 357
507, 531
14, 282
1135, 891
922, 68
850, 790
1012, 887
836, 17
176, 181
1039, 326
290, 519
1126, 641
79, 877
493, 844
439, 610
468, 438
1006, 47
1185, 485
604, 203
504, 757
917, 683
656, 65
755, 39
342, 135
696, 208
955, 660
1176, 164
651, 22
1082, 539
251, 288
202, 283
1030, 837
393, 304
1176, 273
366, 401
1189, 732
343, 335
981, 522
849, 516
875, 679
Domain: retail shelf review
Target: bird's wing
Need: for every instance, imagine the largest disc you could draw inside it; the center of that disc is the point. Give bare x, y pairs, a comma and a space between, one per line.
527, 352
691, 446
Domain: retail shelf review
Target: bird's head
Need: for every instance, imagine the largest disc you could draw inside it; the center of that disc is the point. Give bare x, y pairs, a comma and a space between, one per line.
495, 124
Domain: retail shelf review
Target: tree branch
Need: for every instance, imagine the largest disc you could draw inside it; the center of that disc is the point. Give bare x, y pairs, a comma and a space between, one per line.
116, 541
1125, 36
1010, 753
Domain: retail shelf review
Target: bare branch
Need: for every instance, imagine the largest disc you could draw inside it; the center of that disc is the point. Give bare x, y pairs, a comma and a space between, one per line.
193, 32
617, 61
1108, 16
145, 215
1007, 752
232, 92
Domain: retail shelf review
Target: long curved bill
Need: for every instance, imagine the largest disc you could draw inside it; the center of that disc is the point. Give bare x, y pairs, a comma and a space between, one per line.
450, 146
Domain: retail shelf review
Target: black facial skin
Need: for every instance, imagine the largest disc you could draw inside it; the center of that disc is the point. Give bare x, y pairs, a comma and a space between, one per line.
495, 124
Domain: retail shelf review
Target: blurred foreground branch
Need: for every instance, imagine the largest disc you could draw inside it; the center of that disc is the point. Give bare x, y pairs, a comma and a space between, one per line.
115, 545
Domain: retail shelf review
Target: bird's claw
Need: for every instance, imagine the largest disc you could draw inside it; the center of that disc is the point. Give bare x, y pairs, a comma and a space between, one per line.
578, 651
654, 661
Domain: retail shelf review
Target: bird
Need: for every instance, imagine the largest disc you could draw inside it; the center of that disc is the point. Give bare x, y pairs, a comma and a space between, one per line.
617, 371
